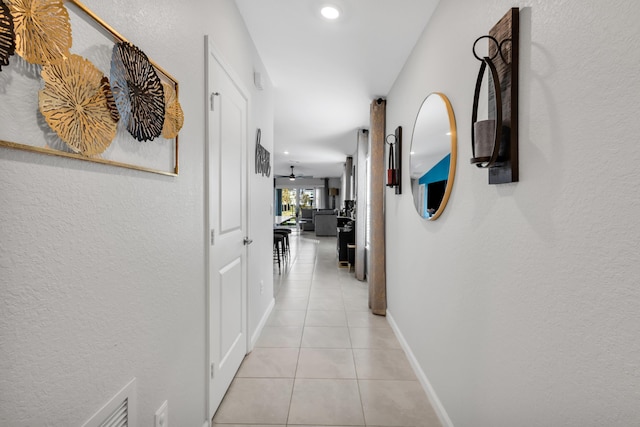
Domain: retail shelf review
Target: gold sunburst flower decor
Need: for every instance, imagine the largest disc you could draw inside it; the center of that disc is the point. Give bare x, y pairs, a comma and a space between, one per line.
74, 104
42, 30
173, 115
7, 36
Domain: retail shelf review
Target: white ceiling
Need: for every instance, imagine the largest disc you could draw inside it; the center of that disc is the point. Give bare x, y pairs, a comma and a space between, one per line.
326, 73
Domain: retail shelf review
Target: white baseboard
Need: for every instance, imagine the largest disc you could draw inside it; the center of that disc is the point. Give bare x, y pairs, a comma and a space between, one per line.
424, 381
261, 325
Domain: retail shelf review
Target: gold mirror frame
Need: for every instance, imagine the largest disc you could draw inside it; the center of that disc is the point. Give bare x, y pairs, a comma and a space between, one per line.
453, 154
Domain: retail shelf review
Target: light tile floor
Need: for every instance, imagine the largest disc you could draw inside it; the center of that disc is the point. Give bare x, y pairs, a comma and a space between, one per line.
323, 359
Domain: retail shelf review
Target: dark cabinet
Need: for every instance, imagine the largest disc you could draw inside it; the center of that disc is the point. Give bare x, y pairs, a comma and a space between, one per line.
346, 236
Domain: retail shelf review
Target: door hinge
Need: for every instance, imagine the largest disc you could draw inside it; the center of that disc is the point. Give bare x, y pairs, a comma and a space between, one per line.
213, 236
212, 98
213, 370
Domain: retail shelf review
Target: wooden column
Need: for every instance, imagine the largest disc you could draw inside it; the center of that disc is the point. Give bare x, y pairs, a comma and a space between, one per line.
377, 261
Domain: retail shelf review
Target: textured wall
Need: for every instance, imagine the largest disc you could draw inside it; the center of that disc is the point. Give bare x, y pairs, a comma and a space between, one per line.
521, 303
102, 271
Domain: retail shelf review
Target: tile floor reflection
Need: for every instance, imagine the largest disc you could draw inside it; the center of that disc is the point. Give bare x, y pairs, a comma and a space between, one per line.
323, 359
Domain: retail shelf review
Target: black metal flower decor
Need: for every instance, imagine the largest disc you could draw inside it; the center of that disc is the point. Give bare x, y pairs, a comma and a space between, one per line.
138, 92
7, 35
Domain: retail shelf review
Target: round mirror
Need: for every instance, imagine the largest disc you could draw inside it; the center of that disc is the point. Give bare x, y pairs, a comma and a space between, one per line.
433, 156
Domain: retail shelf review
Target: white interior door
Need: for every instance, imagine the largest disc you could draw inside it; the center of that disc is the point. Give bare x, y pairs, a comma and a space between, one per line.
227, 219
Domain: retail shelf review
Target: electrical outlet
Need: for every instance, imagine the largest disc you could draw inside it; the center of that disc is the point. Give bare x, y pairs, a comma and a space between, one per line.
162, 415
261, 287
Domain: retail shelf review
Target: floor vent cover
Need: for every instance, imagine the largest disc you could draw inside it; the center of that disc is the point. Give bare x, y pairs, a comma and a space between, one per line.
119, 412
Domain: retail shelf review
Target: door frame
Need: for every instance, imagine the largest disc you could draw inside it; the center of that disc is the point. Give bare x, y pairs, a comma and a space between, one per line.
211, 50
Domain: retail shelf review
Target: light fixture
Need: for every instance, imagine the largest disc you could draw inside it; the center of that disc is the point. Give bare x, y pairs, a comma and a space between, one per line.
286, 152
292, 177
330, 12
333, 192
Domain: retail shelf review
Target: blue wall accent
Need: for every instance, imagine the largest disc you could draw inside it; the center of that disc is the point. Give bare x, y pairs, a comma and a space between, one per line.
439, 172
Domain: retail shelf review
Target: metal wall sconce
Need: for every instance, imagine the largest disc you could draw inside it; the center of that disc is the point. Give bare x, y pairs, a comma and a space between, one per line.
494, 143
394, 170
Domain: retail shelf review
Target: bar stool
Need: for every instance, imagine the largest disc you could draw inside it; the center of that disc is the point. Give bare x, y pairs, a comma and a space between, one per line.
285, 234
278, 242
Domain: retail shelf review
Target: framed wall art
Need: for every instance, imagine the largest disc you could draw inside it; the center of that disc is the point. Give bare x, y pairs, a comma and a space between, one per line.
72, 86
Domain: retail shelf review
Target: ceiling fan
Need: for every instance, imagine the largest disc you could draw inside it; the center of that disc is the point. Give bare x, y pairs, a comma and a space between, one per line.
292, 176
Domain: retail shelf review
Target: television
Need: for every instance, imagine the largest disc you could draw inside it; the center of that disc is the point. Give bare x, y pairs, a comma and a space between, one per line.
435, 194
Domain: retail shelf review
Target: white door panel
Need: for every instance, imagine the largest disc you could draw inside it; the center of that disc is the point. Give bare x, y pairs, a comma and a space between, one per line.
227, 220
231, 313
231, 166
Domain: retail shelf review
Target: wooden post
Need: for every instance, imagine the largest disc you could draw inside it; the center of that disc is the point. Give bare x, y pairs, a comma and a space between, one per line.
377, 258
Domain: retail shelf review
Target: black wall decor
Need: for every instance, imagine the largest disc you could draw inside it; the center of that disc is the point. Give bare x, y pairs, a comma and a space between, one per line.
138, 92
263, 157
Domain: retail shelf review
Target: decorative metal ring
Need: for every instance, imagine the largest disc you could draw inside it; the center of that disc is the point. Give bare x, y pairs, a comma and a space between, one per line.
484, 162
485, 37
394, 139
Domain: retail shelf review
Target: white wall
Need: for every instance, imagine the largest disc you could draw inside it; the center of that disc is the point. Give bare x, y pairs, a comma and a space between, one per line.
521, 303
102, 271
261, 206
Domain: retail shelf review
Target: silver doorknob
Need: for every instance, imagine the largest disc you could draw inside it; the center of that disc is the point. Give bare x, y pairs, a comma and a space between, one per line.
247, 241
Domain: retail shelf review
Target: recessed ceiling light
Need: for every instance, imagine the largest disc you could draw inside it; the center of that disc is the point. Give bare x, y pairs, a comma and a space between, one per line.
286, 152
330, 12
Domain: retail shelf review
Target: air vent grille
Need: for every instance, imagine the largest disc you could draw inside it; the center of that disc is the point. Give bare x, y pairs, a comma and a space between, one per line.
120, 411
119, 417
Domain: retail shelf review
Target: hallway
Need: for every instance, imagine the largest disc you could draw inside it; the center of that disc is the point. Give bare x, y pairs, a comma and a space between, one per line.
323, 359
